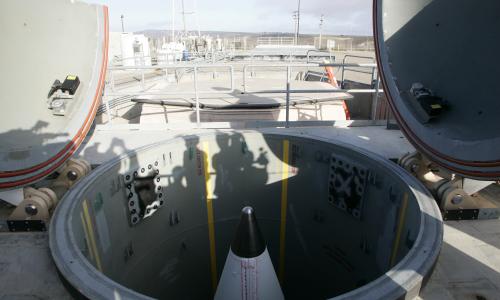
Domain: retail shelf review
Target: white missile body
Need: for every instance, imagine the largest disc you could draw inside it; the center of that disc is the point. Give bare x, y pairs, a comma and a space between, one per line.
248, 279
244, 277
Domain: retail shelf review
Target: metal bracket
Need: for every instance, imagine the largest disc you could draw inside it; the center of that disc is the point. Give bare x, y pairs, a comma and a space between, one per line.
58, 103
26, 225
144, 192
460, 214
346, 185
457, 196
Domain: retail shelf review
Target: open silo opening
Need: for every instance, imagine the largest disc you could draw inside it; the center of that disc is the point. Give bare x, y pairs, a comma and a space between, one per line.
159, 221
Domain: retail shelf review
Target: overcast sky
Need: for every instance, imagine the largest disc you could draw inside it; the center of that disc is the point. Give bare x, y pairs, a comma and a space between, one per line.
341, 16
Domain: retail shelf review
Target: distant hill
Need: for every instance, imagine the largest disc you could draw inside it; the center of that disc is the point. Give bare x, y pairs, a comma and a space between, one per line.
249, 40
156, 33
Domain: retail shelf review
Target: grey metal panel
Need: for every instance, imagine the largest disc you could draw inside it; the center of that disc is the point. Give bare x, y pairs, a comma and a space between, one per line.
43, 41
432, 42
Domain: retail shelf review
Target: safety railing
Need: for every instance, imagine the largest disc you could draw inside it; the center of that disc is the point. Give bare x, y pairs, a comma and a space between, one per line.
346, 68
195, 91
288, 91
288, 68
329, 53
275, 40
373, 73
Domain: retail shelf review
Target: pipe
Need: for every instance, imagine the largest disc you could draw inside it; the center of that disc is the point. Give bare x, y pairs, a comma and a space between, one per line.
227, 106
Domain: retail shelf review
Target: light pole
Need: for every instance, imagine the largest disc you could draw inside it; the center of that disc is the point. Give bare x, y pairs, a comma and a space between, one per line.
184, 18
123, 26
320, 31
298, 24
173, 21
295, 26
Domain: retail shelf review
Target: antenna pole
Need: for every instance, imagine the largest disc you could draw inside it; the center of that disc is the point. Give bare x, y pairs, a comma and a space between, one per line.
298, 24
295, 27
173, 21
184, 18
196, 16
320, 31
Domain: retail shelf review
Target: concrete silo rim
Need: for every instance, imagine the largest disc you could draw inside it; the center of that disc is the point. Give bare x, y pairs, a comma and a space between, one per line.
72, 265
405, 277
409, 274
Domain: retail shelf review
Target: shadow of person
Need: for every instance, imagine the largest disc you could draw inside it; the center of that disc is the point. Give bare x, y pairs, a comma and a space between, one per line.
235, 166
176, 183
185, 195
192, 154
96, 156
93, 152
35, 135
20, 144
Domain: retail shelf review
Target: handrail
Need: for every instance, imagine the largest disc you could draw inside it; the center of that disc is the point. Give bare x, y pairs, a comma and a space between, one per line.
288, 66
318, 91
183, 65
178, 66
332, 57
287, 91
372, 73
195, 70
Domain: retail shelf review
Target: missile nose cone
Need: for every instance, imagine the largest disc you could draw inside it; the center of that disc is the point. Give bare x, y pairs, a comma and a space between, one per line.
247, 210
248, 241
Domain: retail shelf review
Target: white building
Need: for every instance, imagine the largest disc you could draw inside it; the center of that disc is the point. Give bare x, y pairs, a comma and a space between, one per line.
129, 49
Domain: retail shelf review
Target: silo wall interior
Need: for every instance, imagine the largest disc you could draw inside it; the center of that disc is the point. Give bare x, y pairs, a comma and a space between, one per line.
334, 218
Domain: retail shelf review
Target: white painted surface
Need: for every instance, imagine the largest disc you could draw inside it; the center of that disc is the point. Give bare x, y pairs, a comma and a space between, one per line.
248, 279
131, 56
109, 142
